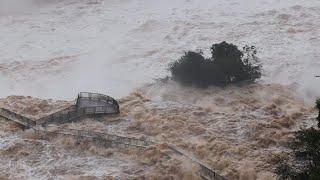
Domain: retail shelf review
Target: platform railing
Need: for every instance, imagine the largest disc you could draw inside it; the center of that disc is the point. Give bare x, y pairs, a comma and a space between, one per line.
104, 139
95, 96
99, 110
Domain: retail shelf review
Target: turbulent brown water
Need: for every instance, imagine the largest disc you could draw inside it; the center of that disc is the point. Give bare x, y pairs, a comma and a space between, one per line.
240, 131
56, 49
25, 155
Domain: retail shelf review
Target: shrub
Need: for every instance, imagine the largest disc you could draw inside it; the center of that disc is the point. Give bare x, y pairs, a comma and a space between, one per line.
306, 165
306, 161
227, 65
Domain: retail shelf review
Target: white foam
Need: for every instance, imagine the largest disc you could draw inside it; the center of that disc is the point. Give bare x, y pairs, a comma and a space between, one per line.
120, 45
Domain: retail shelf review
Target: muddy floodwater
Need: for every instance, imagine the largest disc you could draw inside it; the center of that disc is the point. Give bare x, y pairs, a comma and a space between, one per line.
239, 131
52, 50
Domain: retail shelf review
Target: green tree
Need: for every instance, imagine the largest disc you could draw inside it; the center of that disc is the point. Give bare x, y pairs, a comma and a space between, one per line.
227, 65
306, 150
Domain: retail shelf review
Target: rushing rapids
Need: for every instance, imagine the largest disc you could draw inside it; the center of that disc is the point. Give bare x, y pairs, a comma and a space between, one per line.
54, 49
95, 105
241, 131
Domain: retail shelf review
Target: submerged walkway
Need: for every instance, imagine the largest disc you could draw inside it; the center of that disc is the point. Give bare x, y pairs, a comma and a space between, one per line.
87, 104
92, 104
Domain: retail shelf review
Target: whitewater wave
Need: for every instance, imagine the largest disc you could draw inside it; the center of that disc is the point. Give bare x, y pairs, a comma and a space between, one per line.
120, 45
240, 131
58, 48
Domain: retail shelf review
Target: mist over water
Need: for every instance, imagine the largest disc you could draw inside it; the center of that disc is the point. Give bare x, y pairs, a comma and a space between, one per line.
14, 6
58, 48
55, 49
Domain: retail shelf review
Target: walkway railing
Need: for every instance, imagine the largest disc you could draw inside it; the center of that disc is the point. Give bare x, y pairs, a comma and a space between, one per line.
204, 171
90, 107
98, 110
17, 117
97, 97
112, 140
106, 140
63, 116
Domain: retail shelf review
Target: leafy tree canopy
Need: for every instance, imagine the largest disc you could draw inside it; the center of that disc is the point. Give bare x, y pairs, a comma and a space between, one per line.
226, 65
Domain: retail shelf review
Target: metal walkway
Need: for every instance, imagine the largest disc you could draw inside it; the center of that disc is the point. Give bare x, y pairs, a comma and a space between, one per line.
104, 139
87, 104
204, 171
96, 104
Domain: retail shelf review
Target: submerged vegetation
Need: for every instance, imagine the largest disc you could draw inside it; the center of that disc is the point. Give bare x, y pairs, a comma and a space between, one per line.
306, 155
226, 65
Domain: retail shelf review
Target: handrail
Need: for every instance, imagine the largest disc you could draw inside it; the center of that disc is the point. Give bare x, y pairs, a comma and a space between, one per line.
96, 96
205, 171
50, 116
72, 112
100, 136
18, 118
